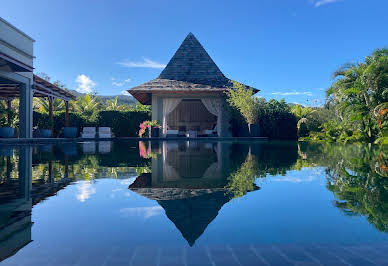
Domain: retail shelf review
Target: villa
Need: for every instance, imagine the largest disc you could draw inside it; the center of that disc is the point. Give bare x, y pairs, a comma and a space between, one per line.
188, 96
17, 80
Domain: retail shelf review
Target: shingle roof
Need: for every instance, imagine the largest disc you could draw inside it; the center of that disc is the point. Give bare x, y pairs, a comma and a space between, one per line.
191, 69
191, 63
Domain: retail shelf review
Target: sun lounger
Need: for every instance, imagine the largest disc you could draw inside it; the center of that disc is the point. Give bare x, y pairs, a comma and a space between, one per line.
88, 132
104, 132
104, 147
89, 147
170, 133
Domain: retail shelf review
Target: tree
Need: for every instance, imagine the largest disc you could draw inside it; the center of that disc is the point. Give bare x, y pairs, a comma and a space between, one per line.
112, 105
241, 99
358, 89
42, 105
87, 105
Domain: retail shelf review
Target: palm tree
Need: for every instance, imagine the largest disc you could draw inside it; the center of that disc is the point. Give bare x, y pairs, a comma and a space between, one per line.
42, 105
359, 89
87, 105
113, 105
302, 115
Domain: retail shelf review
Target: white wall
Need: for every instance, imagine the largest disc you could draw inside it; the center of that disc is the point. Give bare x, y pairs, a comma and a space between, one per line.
15, 43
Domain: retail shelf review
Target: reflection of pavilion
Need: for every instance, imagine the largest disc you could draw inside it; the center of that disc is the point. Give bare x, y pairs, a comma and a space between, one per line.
188, 180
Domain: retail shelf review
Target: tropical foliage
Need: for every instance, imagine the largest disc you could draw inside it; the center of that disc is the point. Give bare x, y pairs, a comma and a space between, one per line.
357, 175
241, 99
358, 98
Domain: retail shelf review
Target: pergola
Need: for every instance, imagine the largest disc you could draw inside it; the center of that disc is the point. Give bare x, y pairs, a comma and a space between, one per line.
41, 89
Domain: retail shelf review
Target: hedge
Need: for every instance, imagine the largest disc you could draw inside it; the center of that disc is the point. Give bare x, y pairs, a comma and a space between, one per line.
122, 123
273, 124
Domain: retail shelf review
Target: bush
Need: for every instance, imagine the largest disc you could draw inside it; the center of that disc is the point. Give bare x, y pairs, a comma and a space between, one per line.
275, 120
278, 125
122, 123
75, 120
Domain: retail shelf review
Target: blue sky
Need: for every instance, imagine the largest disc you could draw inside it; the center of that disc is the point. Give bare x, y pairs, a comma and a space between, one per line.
286, 48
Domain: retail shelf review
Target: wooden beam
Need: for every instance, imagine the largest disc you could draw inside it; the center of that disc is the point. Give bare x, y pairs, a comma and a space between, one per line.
50, 93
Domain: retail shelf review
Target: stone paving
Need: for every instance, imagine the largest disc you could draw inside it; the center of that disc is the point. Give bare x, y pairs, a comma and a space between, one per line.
243, 255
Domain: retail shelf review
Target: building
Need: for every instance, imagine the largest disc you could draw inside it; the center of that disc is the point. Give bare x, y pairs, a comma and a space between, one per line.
17, 79
16, 67
189, 93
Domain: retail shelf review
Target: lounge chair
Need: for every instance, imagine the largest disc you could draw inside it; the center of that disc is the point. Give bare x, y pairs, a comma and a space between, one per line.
171, 133
104, 147
89, 147
88, 132
104, 132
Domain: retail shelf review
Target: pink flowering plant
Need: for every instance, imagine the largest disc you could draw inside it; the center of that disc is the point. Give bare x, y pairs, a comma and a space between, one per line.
145, 152
147, 125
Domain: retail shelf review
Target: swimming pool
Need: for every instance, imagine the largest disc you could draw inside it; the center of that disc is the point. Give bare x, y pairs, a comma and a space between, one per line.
193, 203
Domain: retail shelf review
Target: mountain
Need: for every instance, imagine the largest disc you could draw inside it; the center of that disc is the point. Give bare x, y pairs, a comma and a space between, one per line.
122, 99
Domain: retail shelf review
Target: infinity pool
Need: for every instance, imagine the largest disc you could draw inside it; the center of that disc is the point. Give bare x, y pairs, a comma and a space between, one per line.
193, 203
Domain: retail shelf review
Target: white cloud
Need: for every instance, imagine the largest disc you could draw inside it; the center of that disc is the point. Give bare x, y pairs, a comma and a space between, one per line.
325, 2
145, 63
124, 92
85, 84
85, 190
145, 212
127, 182
120, 84
308, 93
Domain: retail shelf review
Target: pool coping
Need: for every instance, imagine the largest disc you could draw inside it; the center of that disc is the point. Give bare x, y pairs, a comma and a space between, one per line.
64, 140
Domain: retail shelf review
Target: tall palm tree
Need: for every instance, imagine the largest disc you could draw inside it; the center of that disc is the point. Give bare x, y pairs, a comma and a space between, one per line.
359, 89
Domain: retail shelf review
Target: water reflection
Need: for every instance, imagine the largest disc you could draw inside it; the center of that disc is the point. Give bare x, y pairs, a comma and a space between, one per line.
189, 181
192, 181
16, 204
357, 175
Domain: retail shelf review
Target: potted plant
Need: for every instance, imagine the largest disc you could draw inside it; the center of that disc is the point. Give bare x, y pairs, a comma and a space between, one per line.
242, 99
45, 128
70, 132
8, 121
146, 152
152, 126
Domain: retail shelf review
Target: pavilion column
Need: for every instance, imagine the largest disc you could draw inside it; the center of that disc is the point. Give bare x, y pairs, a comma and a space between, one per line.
9, 107
50, 172
66, 113
50, 99
66, 167
25, 110
25, 171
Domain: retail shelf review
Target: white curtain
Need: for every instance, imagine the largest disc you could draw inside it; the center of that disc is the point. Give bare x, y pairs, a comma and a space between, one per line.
169, 104
214, 106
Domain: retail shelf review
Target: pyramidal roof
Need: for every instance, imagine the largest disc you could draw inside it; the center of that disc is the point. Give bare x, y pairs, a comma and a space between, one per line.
191, 63
191, 69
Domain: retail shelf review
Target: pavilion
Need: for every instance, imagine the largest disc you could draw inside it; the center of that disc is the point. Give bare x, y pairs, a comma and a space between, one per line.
189, 93
17, 79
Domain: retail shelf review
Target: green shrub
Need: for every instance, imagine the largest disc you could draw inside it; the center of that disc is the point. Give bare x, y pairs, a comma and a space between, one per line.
122, 123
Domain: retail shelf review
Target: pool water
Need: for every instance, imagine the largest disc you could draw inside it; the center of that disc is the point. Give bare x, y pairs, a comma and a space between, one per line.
193, 203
